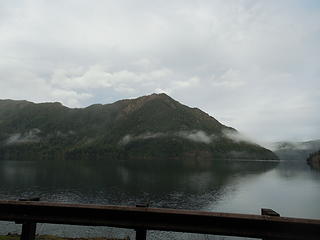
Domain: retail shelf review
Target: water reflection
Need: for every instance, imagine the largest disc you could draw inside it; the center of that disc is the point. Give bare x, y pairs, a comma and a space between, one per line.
97, 182
290, 188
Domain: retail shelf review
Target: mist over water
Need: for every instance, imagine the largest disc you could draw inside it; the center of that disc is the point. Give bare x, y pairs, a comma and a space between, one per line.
290, 188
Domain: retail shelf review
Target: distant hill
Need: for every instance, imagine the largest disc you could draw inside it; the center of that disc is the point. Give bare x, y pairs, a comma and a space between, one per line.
148, 127
295, 150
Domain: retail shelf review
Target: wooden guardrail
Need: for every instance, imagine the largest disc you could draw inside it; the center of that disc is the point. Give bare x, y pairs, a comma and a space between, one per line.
144, 218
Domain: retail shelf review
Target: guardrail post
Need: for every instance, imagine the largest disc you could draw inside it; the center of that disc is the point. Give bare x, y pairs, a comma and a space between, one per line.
269, 212
28, 231
141, 233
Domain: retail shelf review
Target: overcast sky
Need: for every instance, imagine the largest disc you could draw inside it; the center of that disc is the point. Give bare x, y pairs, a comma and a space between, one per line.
253, 65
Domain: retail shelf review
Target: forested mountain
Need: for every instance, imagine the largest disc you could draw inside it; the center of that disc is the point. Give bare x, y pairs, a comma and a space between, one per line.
148, 127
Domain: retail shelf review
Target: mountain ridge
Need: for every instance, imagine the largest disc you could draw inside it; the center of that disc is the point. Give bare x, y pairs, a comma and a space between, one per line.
148, 127
289, 150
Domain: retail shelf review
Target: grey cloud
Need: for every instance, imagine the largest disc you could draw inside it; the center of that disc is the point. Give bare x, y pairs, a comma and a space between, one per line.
27, 137
194, 135
236, 136
63, 134
253, 65
294, 145
148, 135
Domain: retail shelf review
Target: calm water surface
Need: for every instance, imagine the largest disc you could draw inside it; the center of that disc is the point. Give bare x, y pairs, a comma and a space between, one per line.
290, 188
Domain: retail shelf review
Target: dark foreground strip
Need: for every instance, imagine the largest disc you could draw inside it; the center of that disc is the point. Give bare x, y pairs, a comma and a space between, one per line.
145, 218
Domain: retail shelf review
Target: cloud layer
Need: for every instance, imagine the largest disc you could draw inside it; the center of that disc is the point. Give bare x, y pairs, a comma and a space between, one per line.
30, 136
194, 135
191, 135
253, 65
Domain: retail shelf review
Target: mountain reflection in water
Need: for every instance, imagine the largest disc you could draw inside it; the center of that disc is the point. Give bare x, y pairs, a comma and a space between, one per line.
100, 183
290, 188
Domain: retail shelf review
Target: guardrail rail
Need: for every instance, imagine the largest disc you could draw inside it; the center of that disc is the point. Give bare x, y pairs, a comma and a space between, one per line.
269, 225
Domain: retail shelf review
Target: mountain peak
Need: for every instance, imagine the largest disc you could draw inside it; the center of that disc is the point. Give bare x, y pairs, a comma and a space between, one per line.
162, 95
137, 103
152, 96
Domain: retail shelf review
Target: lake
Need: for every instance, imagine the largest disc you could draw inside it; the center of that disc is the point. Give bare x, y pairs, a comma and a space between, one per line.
291, 188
